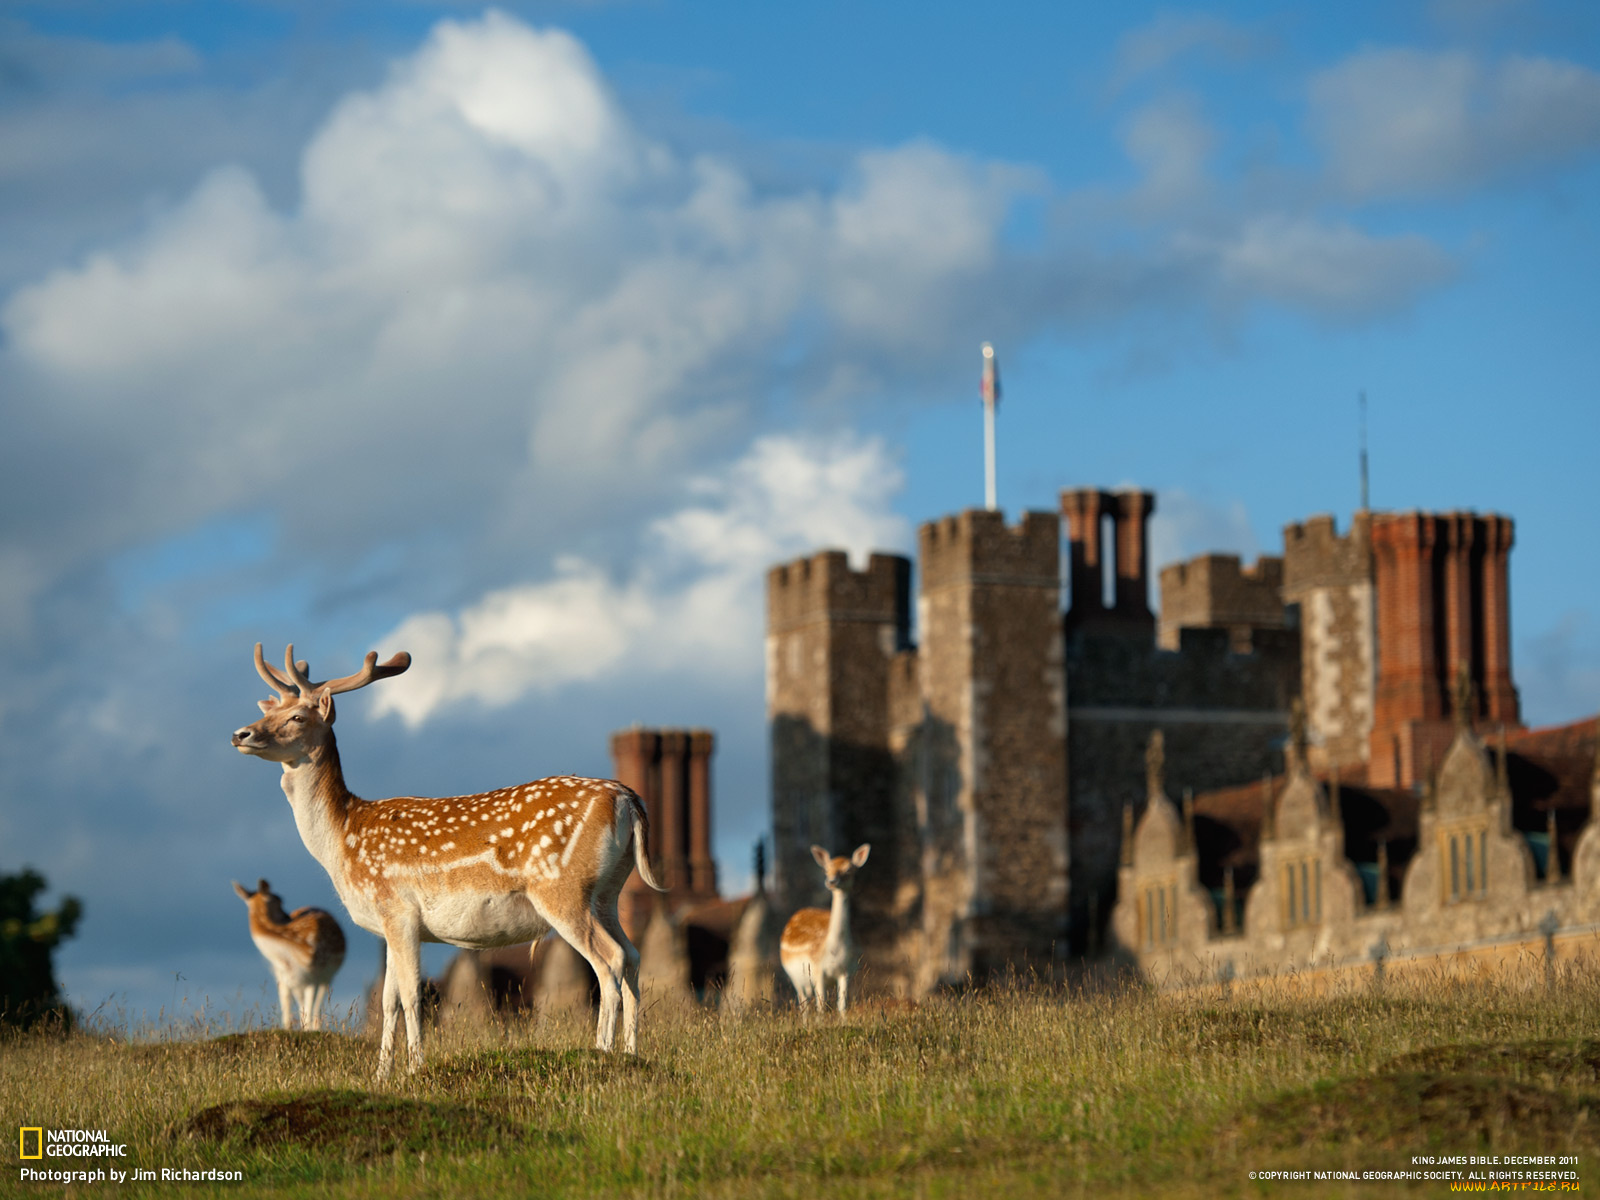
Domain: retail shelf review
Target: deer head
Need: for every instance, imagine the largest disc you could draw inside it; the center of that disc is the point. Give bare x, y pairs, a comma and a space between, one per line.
841, 872
300, 720
264, 898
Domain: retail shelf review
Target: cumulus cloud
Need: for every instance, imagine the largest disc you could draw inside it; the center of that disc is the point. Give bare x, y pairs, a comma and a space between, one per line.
496, 299
690, 608
1402, 122
87, 145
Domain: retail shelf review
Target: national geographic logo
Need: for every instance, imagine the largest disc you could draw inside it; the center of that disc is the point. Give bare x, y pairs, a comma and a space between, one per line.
38, 1142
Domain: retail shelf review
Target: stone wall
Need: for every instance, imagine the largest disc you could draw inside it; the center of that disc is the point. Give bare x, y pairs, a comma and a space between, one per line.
1220, 712
1214, 591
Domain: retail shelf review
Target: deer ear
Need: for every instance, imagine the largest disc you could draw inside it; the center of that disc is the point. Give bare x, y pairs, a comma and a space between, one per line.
821, 855
325, 706
266, 706
859, 858
262, 886
238, 887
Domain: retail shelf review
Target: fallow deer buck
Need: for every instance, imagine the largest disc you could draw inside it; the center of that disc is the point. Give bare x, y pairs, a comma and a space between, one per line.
305, 950
492, 869
816, 945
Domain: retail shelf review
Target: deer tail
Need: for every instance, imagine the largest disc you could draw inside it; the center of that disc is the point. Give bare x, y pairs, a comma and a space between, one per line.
640, 821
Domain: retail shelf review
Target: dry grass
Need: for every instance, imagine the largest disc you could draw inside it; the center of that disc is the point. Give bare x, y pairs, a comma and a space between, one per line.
1016, 1092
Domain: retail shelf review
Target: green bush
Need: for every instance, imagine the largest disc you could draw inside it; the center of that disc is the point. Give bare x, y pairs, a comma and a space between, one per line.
28, 991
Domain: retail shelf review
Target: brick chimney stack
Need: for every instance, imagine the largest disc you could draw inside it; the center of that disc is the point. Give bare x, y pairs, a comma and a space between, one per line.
1128, 548
671, 771
1442, 583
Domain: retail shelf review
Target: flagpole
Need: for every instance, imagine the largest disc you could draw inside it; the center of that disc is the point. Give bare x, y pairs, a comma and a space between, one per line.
991, 397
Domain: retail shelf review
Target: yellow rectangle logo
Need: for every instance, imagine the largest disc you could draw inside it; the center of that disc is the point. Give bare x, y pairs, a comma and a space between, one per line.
38, 1142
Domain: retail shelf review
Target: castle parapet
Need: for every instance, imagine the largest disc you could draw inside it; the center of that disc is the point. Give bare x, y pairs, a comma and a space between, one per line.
823, 587
977, 546
1214, 591
1316, 554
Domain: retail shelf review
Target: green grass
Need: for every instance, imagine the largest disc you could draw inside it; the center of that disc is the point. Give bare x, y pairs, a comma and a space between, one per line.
1014, 1093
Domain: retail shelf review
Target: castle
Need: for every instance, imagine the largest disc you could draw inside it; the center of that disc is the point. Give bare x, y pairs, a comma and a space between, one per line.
1010, 769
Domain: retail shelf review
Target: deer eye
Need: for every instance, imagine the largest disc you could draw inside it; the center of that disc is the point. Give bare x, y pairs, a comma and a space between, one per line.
298, 717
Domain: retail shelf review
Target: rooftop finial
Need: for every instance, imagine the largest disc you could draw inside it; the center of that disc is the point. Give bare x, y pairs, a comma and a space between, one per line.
1296, 752
1155, 765
1462, 696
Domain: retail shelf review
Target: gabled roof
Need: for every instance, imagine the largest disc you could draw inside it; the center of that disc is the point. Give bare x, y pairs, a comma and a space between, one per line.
1548, 769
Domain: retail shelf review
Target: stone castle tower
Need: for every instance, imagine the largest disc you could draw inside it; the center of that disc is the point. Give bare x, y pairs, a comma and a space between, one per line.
948, 758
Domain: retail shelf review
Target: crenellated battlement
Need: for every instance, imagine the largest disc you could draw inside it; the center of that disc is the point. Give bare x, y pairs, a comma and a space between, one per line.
1216, 591
1316, 554
824, 587
976, 546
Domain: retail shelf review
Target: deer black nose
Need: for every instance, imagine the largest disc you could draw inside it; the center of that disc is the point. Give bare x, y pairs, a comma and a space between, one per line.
240, 736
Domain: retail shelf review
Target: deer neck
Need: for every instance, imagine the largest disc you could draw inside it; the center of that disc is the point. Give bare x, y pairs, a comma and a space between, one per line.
839, 920
314, 786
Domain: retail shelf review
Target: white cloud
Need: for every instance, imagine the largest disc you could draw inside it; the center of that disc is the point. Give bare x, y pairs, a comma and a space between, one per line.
1185, 525
496, 300
1410, 122
1334, 270
498, 307
1171, 141
690, 608
1153, 47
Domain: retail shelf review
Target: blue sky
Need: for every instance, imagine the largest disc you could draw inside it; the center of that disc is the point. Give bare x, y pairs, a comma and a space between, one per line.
526, 339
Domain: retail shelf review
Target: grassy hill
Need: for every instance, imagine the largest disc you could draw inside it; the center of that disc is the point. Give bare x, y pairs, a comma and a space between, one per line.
1012, 1093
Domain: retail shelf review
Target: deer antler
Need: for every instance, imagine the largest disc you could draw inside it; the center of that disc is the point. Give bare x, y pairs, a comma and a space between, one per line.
284, 687
369, 673
296, 671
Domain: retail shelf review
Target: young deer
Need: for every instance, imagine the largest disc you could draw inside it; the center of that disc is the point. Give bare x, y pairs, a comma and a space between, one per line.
305, 950
492, 869
816, 944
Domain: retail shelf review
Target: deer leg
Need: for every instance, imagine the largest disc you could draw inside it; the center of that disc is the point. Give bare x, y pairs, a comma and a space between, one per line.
285, 1018
844, 986
819, 979
589, 938
391, 1004
405, 965
630, 980
402, 989
797, 980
